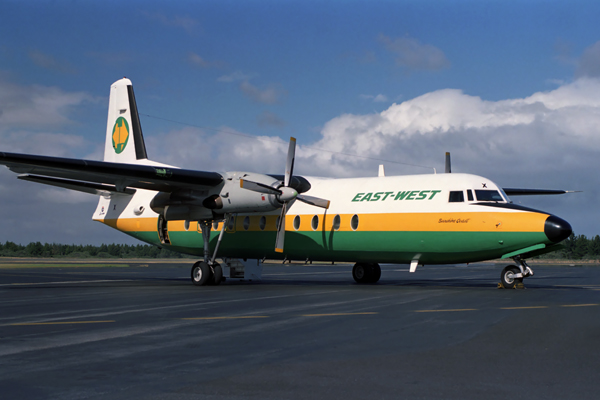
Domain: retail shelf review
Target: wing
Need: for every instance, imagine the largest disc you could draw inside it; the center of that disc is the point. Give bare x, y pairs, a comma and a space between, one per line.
534, 192
99, 176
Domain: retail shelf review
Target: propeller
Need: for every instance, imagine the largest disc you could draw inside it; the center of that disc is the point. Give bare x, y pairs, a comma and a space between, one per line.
285, 194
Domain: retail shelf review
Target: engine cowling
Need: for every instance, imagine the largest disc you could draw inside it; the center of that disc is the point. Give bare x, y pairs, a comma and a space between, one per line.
228, 198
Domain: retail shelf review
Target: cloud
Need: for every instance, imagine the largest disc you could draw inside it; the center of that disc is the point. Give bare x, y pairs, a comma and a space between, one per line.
198, 61
235, 77
589, 62
380, 98
185, 23
270, 95
37, 106
32, 119
228, 150
269, 120
413, 55
47, 61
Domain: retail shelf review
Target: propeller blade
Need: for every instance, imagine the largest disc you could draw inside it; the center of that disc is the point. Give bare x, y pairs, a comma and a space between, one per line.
448, 166
281, 230
314, 201
258, 187
289, 166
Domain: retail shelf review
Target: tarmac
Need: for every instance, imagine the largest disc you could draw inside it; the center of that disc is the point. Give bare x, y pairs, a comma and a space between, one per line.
142, 330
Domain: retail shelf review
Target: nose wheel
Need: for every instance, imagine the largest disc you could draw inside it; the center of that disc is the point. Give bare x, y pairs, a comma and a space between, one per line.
512, 275
509, 277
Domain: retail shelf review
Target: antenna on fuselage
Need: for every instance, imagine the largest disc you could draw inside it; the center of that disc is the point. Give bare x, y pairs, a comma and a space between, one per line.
381, 171
448, 164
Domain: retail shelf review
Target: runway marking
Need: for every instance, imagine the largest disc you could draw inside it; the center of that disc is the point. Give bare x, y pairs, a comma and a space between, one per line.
60, 323
580, 285
335, 314
578, 305
66, 282
448, 310
306, 273
216, 318
522, 308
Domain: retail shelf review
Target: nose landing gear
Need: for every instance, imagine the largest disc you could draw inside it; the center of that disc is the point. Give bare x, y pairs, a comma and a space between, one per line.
512, 275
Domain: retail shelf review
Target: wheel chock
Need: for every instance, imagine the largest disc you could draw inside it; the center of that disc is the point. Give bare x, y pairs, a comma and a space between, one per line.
517, 286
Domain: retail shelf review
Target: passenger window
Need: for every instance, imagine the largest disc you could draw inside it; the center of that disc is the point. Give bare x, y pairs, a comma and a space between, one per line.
314, 224
297, 222
470, 195
354, 222
336, 222
456, 197
262, 223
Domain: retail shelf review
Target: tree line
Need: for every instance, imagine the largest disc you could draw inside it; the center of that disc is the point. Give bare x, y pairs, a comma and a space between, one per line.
576, 247
37, 249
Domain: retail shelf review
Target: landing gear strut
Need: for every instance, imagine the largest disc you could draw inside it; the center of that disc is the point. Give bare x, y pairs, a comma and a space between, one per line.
208, 272
366, 272
512, 275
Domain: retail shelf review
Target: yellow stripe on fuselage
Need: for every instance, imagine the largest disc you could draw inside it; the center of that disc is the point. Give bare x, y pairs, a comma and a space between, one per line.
384, 222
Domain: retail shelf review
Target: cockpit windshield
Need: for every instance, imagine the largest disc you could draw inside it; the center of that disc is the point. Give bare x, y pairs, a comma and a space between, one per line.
488, 195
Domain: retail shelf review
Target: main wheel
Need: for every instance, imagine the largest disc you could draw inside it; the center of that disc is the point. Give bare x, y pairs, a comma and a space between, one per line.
507, 277
201, 273
375, 273
362, 272
218, 274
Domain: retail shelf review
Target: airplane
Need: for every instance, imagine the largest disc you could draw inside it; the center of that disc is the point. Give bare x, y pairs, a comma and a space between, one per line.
421, 219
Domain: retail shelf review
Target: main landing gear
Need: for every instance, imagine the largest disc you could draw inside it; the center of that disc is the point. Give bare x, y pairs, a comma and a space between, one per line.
208, 272
366, 272
512, 275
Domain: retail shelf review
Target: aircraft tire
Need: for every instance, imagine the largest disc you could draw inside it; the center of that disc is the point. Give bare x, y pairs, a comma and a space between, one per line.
508, 282
375, 273
201, 273
218, 274
362, 272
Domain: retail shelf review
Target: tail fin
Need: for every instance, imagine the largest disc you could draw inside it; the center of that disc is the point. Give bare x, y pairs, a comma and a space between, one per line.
124, 139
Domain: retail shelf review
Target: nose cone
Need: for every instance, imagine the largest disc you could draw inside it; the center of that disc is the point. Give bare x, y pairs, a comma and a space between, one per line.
557, 229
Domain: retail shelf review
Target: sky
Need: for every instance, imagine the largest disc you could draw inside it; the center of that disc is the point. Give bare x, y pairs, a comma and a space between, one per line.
510, 88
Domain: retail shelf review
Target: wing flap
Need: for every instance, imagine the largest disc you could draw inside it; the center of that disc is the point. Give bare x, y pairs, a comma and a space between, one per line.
100, 189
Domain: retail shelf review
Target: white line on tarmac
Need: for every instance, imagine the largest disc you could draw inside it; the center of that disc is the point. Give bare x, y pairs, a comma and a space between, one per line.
65, 282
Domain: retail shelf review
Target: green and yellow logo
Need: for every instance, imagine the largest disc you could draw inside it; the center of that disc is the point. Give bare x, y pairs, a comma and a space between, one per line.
120, 135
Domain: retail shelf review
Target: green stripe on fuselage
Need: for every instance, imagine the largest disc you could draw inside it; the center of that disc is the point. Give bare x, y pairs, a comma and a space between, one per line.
348, 246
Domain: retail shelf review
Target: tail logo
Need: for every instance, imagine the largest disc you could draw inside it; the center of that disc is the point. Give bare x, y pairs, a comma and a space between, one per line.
120, 135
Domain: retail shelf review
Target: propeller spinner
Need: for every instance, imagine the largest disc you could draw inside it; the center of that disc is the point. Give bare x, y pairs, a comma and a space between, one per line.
285, 194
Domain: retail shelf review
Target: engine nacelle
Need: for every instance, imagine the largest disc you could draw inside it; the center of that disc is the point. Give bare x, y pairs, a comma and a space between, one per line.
181, 205
227, 198
234, 199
